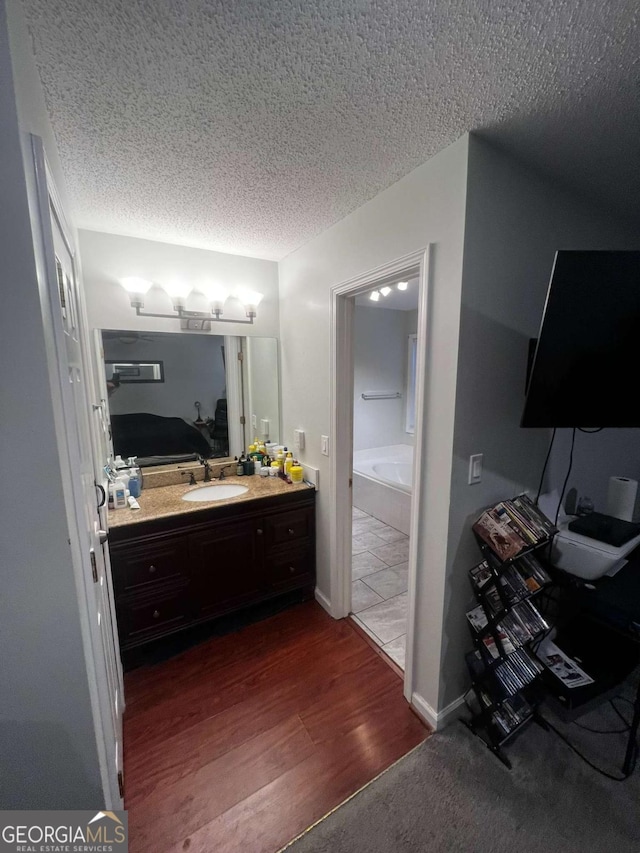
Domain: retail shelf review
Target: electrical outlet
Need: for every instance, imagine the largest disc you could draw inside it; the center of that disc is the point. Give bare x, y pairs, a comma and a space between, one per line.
475, 468
298, 439
324, 445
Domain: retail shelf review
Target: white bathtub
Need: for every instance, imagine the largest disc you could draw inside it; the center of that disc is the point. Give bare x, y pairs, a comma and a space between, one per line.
382, 481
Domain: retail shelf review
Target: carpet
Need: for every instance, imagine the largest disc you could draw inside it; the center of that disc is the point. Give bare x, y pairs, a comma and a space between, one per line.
452, 794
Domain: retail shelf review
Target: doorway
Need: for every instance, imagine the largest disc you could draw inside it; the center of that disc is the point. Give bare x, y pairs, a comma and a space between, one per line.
384, 360
413, 267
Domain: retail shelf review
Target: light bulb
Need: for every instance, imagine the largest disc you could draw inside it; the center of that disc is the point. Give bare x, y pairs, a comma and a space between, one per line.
385, 291
217, 294
136, 288
402, 285
177, 289
374, 296
135, 285
250, 299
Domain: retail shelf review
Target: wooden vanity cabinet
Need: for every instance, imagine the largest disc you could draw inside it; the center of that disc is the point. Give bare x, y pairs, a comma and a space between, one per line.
178, 571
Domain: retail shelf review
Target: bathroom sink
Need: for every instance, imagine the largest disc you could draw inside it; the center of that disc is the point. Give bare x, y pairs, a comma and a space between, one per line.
215, 493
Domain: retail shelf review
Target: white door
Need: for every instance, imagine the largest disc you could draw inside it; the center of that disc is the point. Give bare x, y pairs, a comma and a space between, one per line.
83, 444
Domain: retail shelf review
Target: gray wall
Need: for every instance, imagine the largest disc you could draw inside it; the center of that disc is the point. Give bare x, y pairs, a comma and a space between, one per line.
380, 364
47, 741
515, 221
193, 370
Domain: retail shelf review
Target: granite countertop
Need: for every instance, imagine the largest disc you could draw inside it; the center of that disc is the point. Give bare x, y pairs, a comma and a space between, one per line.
165, 501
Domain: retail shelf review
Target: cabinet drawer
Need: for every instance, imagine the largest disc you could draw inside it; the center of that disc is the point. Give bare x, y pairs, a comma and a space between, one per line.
142, 618
150, 563
288, 527
292, 568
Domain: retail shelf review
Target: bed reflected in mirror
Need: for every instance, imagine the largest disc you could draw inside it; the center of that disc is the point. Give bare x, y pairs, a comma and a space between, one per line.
177, 396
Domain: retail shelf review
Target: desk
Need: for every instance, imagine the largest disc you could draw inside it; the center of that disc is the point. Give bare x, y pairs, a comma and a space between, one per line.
615, 603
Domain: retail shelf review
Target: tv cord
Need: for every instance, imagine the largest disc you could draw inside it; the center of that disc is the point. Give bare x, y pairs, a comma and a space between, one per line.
566, 479
546, 462
621, 778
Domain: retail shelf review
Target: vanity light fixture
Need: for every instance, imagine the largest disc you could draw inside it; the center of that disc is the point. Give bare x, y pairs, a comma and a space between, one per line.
385, 291
179, 290
374, 296
402, 285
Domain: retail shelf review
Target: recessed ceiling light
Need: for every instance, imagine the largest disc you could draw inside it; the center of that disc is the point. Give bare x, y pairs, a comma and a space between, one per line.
374, 296
385, 291
402, 285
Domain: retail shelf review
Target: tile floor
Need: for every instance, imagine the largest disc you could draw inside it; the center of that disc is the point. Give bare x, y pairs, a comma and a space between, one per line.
379, 583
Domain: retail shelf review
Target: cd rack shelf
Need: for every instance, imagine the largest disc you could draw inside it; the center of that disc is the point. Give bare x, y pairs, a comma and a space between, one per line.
506, 626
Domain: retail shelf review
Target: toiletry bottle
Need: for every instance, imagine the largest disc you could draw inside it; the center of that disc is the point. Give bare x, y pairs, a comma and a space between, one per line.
288, 463
280, 458
135, 479
119, 493
248, 466
274, 470
296, 472
240, 465
119, 462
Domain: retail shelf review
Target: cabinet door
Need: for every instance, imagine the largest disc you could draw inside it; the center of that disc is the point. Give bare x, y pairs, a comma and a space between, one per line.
136, 567
290, 527
226, 567
290, 568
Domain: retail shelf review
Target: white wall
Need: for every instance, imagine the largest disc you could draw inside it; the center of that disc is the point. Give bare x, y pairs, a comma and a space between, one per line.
515, 222
106, 258
380, 364
47, 740
596, 457
193, 370
425, 207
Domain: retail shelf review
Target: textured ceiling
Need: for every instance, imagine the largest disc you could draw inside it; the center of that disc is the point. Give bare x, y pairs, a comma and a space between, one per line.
249, 126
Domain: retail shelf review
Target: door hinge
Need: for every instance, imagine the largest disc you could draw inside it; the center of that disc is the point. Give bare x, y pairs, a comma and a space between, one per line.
121, 784
94, 565
243, 420
350, 482
240, 356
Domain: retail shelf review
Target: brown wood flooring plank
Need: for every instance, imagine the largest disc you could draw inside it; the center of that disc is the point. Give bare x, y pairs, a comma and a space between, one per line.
219, 785
267, 820
151, 762
205, 696
303, 623
244, 741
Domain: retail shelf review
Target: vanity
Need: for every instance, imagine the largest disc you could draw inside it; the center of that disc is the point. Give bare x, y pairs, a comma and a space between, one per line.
176, 564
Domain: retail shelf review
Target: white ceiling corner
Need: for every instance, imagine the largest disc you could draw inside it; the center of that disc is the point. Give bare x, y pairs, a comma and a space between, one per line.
250, 127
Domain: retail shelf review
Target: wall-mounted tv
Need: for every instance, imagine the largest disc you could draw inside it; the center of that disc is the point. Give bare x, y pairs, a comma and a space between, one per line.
586, 367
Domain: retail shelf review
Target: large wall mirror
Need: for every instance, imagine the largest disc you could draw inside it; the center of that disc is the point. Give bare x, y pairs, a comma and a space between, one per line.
216, 394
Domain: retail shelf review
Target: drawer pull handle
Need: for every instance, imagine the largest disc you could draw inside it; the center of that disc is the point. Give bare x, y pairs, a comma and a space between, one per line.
152, 569
291, 531
259, 531
156, 614
292, 569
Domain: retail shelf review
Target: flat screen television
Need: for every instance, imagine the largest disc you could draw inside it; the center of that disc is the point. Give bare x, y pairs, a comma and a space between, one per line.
586, 366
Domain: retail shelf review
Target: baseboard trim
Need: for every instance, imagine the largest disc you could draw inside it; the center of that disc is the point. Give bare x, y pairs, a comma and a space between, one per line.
323, 601
437, 720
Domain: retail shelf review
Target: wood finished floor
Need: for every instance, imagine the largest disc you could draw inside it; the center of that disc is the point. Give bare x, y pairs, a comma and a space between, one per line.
243, 742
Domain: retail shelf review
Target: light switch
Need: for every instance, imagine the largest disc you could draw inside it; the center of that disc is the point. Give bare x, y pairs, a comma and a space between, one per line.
475, 468
324, 445
254, 422
264, 427
298, 439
